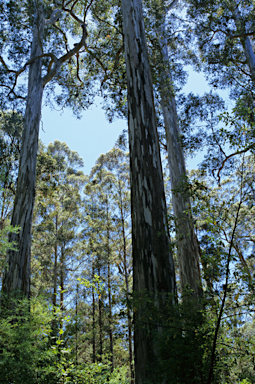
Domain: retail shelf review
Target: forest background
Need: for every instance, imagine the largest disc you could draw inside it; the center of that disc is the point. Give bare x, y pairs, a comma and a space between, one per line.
101, 302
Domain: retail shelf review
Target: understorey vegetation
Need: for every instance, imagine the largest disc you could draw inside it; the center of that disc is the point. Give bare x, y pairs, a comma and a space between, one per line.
142, 271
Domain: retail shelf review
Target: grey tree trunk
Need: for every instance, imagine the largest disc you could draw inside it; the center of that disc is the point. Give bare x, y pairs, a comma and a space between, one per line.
250, 57
130, 338
187, 246
153, 266
17, 273
93, 316
246, 43
109, 288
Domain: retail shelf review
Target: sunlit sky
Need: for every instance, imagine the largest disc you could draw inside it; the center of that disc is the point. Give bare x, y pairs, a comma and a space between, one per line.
93, 134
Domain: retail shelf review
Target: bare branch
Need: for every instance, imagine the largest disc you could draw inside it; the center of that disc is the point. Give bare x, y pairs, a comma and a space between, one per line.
172, 5
252, 146
12, 91
73, 15
6, 66
64, 37
67, 56
54, 17
106, 22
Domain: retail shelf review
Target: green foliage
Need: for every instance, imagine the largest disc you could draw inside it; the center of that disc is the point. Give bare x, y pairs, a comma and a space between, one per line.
30, 354
5, 244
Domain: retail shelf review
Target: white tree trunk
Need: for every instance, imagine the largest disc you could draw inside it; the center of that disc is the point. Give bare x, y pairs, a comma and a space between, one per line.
187, 247
152, 259
246, 43
17, 274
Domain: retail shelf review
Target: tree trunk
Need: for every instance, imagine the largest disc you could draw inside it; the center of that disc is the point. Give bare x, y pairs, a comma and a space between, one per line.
153, 266
17, 272
55, 271
62, 287
109, 289
246, 43
130, 347
93, 318
187, 246
100, 319
18, 263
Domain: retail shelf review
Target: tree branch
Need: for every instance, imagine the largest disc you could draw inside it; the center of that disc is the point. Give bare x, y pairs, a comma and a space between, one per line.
252, 146
67, 56
54, 17
226, 286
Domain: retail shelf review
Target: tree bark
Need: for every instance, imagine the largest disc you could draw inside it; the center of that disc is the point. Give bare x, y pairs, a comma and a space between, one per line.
62, 273
100, 323
18, 263
246, 43
93, 317
130, 339
187, 246
17, 272
153, 266
109, 289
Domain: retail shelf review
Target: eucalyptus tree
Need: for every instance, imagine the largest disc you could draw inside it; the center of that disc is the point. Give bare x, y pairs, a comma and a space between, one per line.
225, 32
98, 232
165, 41
116, 163
57, 217
10, 140
34, 38
153, 267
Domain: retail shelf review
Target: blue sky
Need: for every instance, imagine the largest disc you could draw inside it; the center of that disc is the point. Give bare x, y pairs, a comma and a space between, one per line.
93, 134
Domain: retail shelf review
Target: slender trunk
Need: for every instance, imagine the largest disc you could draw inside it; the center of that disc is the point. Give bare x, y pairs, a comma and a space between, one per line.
18, 263
62, 287
76, 324
93, 318
55, 271
187, 246
130, 347
109, 290
153, 266
250, 57
54, 296
246, 43
17, 272
100, 320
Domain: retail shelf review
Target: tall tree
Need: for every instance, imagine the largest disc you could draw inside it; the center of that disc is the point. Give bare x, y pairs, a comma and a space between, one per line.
153, 267
116, 163
57, 218
187, 247
17, 272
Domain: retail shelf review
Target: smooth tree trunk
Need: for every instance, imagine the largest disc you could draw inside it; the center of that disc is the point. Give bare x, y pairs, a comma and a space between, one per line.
100, 323
153, 267
16, 277
18, 263
62, 274
109, 290
187, 246
246, 43
93, 318
130, 338
55, 279
55, 271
